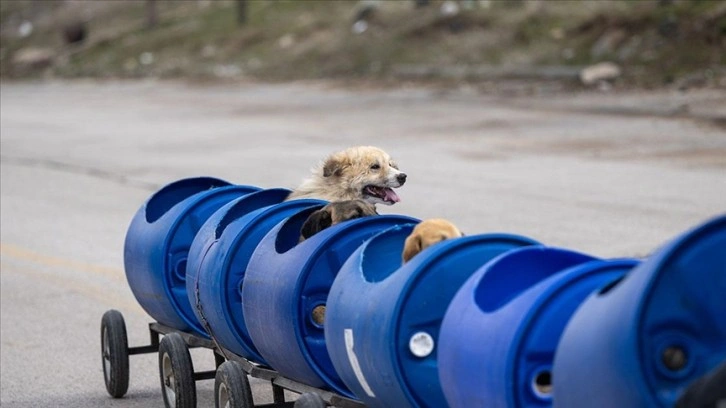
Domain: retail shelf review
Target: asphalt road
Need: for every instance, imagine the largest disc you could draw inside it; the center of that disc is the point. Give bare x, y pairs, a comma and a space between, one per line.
607, 174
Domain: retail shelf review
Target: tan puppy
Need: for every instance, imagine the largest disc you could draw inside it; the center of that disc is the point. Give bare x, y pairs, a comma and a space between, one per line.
427, 233
335, 213
363, 172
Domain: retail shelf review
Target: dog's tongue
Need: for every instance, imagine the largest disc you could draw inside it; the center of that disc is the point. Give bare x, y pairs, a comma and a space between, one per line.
390, 196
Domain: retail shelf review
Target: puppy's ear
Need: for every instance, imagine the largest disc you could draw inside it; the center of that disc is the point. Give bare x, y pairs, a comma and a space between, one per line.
411, 247
316, 222
333, 166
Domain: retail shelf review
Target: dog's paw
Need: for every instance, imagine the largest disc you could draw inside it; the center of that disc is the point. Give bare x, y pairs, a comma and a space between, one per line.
335, 213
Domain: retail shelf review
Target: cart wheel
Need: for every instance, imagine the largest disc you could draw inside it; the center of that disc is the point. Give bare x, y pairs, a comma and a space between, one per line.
231, 387
114, 353
176, 372
310, 400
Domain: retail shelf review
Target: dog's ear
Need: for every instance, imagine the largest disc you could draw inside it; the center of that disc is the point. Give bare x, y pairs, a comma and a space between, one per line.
316, 222
334, 165
411, 247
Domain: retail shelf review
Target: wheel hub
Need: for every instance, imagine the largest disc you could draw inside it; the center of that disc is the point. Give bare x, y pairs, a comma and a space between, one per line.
169, 380
223, 396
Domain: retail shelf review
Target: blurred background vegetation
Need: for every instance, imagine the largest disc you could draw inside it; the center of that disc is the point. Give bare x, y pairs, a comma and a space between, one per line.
679, 43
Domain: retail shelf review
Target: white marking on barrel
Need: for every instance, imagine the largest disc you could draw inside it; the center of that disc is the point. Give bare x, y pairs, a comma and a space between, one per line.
348, 334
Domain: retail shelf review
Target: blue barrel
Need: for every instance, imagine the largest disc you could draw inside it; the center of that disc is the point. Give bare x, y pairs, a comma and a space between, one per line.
218, 259
158, 240
500, 332
287, 286
383, 320
646, 338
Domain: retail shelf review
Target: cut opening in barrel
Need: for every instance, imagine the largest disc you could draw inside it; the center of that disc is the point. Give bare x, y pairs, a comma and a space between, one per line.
382, 254
174, 193
289, 235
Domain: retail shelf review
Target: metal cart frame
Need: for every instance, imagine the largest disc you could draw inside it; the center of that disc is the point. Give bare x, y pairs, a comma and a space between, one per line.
178, 378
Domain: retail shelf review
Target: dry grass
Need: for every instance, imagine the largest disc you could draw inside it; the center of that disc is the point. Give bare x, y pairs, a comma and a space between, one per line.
293, 39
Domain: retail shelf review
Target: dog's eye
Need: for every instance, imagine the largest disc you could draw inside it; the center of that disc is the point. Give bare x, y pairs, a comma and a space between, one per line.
375, 166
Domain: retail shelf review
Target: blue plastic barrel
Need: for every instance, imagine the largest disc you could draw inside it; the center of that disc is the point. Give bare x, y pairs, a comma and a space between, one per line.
500, 332
158, 240
218, 260
641, 342
383, 319
286, 287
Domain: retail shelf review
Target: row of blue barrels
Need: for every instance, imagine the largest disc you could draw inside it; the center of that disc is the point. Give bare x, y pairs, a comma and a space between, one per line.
494, 320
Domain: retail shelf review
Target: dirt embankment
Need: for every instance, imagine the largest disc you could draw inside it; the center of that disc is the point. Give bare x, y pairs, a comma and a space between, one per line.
643, 44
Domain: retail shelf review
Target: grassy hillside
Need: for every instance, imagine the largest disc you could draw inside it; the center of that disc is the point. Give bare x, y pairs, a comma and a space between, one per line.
655, 43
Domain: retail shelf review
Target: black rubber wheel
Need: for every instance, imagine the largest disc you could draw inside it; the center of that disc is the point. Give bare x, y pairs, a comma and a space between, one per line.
114, 353
176, 373
310, 400
231, 387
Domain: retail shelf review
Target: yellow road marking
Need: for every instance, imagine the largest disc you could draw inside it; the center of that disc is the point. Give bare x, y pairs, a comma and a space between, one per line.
17, 252
98, 294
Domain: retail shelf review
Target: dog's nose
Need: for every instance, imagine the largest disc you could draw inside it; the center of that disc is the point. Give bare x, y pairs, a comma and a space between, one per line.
401, 178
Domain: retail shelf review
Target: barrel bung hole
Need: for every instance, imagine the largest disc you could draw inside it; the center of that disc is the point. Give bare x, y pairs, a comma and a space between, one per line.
180, 269
318, 315
674, 357
542, 383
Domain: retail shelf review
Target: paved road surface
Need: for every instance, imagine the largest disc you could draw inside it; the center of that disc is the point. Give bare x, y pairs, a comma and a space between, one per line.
612, 175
